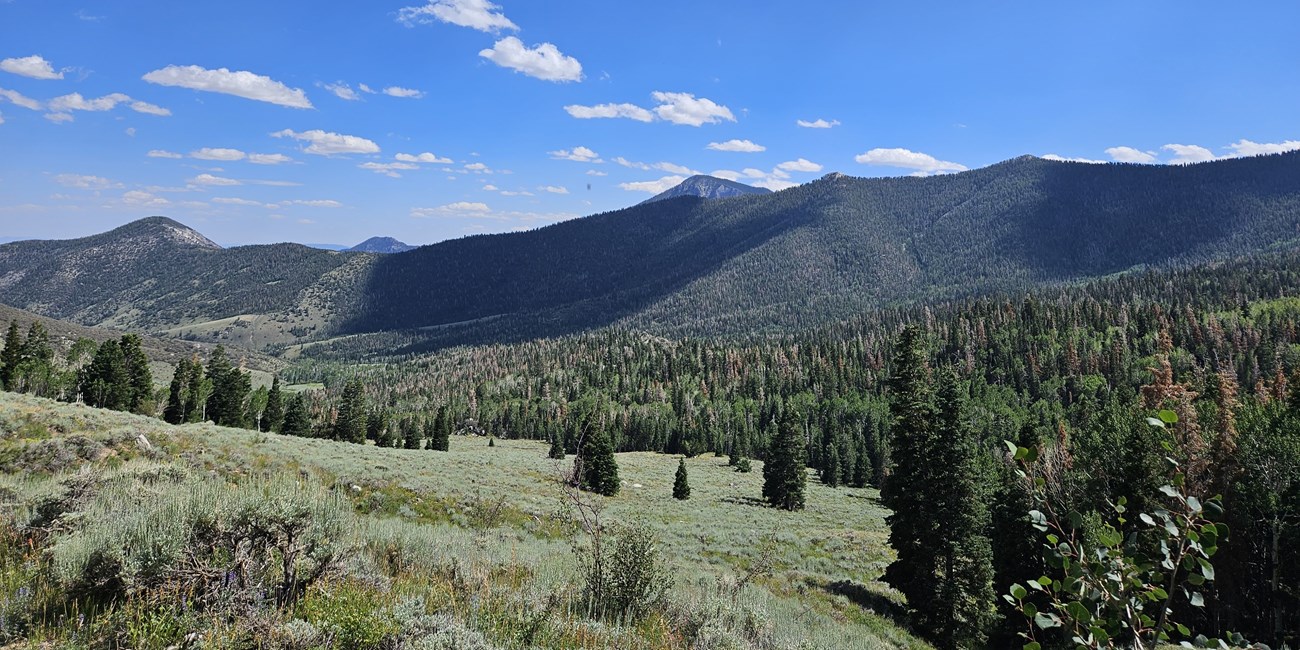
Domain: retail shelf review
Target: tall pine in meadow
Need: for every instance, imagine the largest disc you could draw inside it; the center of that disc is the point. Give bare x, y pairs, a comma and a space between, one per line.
230, 388
681, 485
139, 391
297, 421
596, 464
273, 416
174, 413
965, 609
197, 390
440, 434
784, 473
350, 423
909, 488
104, 381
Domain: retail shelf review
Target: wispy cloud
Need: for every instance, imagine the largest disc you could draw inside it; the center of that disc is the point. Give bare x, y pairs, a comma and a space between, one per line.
742, 146
239, 83
324, 143
817, 124
475, 14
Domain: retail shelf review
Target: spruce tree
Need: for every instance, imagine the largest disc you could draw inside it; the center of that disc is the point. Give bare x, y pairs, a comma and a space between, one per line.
908, 489
430, 431
140, 397
784, 471
273, 416
410, 434
297, 422
174, 413
595, 460
377, 428
350, 424
197, 392
831, 473
35, 372
557, 447
441, 440
681, 488
11, 357
104, 382
230, 387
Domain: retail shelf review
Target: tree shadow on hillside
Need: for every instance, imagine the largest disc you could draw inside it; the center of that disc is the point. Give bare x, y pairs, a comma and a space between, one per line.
745, 501
864, 597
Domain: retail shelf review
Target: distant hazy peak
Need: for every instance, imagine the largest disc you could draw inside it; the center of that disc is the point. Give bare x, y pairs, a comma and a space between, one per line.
164, 229
381, 245
707, 187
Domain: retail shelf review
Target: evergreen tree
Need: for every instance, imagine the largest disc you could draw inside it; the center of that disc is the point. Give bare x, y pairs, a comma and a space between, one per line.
441, 439
784, 472
430, 431
681, 488
831, 472
297, 422
909, 488
197, 392
350, 424
35, 373
596, 464
410, 434
11, 357
230, 387
139, 378
273, 416
965, 610
174, 413
557, 447
377, 429
104, 382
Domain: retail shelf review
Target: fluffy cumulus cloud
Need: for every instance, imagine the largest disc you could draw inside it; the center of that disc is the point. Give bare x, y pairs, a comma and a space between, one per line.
82, 182
224, 155
1130, 155
1248, 148
239, 83
628, 111
817, 124
405, 93
475, 14
685, 108
577, 154
800, 165
325, 143
18, 99
653, 187
425, 157
543, 61
33, 66
908, 159
743, 146
1186, 154
64, 105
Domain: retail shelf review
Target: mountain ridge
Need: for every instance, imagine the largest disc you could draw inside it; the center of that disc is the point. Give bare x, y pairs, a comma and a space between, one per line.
706, 187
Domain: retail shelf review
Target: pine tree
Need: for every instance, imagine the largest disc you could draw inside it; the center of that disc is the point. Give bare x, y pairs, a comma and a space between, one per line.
230, 387
297, 422
11, 357
273, 416
104, 382
350, 425
596, 463
197, 392
174, 413
784, 472
35, 371
557, 447
377, 428
831, 473
681, 488
139, 389
441, 439
410, 434
908, 489
430, 431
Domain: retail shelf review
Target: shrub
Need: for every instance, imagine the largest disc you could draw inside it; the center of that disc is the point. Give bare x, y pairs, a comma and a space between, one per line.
624, 575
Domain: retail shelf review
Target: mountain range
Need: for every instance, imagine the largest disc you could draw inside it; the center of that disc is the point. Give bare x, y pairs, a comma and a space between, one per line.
707, 187
768, 262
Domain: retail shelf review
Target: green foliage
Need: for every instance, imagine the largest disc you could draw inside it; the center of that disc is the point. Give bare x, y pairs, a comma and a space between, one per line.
784, 473
297, 421
348, 614
350, 423
230, 389
597, 468
624, 574
681, 486
273, 415
556, 451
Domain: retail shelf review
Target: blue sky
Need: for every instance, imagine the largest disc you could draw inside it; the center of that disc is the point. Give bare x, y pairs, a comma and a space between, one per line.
329, 122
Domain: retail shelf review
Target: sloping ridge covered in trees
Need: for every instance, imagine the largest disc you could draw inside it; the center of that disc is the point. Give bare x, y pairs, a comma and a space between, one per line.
835, 247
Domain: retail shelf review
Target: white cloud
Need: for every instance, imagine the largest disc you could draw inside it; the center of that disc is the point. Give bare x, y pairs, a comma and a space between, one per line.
478, 168
596, 172
475, 14
80, 182
1248, 148
366, 89
800, 165
727, 174
490, 188
1188, 153
2, 118
654, 187
629, 111
240, 84
244, 202
817, 124
516, 193
342, 91
18, 99
33, 66
425, 157
388, 169
209, 179
318, 203
908, 159
136, 197
461, 208
398, 91
542, 61
775, 184
1052, 156
149, 109
672, 168
59, 118
554, 189
225, 155
578, 154
75, 102
743, 146
685, 108
323, 143
1130, 155
268, 158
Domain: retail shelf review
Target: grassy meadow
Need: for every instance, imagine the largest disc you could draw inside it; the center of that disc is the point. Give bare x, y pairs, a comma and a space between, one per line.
123, 531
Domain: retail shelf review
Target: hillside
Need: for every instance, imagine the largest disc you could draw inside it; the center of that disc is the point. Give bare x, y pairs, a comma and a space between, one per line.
803, 257
414, 550
707, 187
383, 245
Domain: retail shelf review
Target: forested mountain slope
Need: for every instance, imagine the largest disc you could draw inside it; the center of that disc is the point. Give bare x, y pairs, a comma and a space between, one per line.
802, 257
